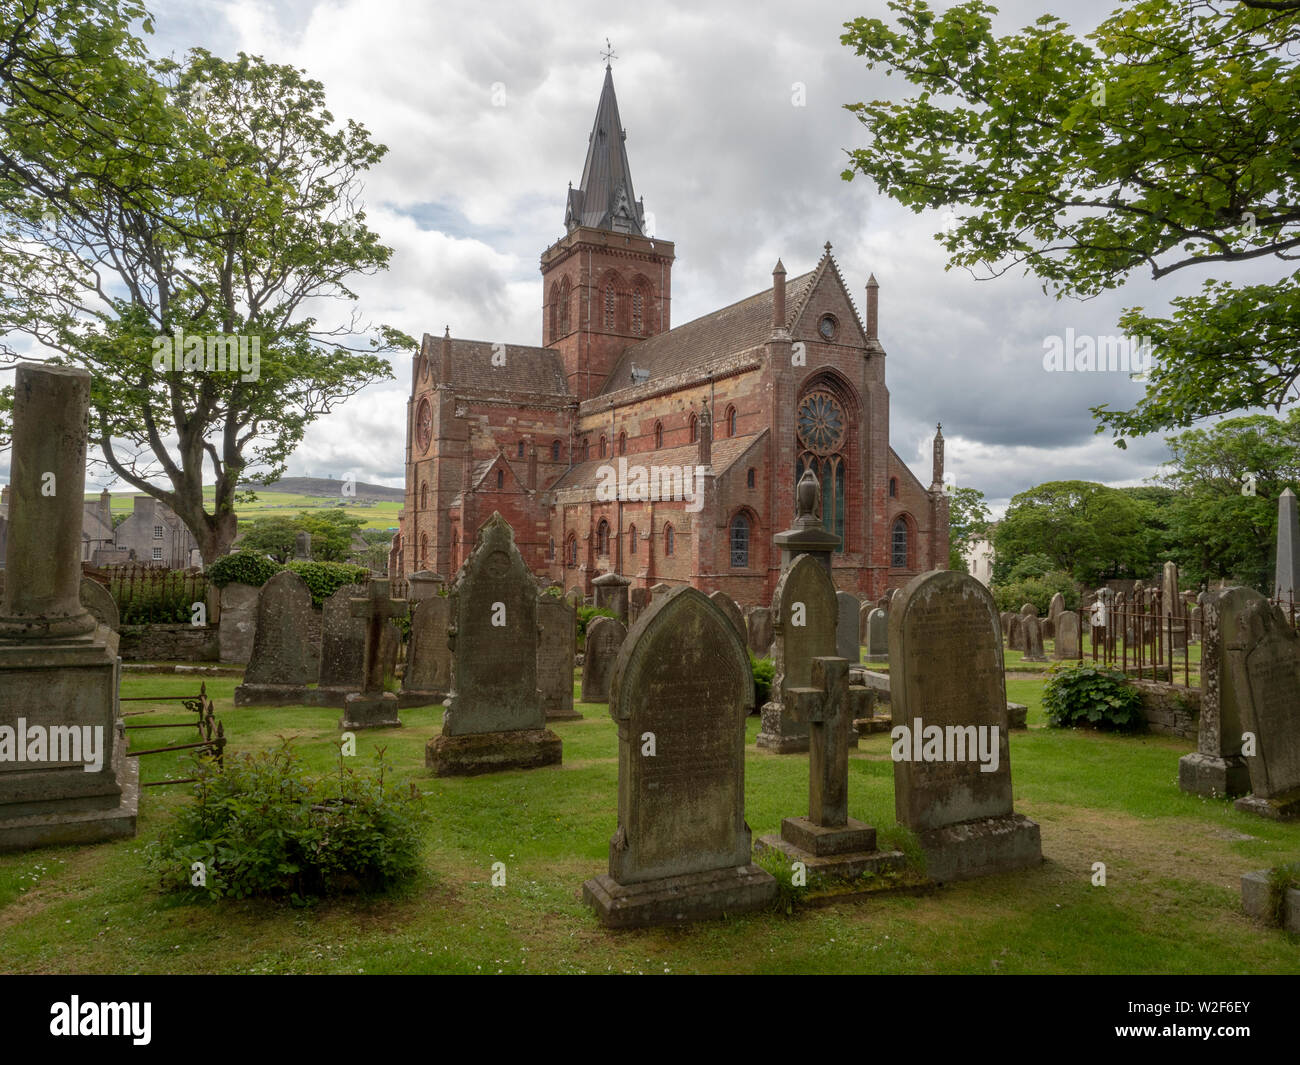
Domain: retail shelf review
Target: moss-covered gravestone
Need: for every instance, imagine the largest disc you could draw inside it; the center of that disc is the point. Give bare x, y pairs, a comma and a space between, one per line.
681, 688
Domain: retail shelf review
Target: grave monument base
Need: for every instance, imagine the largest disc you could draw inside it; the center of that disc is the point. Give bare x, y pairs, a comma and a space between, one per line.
781, 736
1285, 807
875, 658
274, 695
369, 711
420, 698
492, 752
1256, 901
981, 848
563, 715
62, 827
679, 899
842, 852
1213, 777
865, 726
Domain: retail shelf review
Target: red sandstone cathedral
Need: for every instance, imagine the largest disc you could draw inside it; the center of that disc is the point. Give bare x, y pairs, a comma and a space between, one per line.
668, 455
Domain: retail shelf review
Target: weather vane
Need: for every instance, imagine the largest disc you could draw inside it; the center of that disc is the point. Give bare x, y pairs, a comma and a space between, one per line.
608, 53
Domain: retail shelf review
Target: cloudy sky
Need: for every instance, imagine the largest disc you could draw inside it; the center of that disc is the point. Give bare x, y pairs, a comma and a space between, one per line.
730, 169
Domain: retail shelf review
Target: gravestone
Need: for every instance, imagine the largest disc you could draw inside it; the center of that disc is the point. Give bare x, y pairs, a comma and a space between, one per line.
758, 627
1005, 618
342, 643
828, 841
846, 628
1286, 581
682, 685
494, 719
1056, 607
1028, 610
1264, 670
659, 590
1173, 622
804, 616
728, 606
864, 612
575, 597
611, 591
421, 585
302, 547
604, 638
1217, 768
637, 599
806, 536
101, 604
947, 684
427, 679
1033, 637
1067, 636
877, 636
281, 664
557, 635
1047, 627
373, 707
1016, 633
65, 777
238, 623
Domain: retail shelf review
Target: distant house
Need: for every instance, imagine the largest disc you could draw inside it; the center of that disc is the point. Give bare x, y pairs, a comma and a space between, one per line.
153, 534
97, 530
978, 556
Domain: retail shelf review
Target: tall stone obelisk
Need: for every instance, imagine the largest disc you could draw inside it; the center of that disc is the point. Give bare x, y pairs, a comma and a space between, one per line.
1286, 583
64, 774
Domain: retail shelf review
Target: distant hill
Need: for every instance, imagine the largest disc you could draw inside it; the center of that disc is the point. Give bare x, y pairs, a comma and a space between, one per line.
327, 486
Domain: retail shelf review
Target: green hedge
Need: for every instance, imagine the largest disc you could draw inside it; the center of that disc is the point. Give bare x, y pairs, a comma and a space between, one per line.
242, 567
323, 579
326, 578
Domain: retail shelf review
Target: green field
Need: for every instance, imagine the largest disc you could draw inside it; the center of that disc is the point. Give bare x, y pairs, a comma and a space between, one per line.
377, 514
1171, 903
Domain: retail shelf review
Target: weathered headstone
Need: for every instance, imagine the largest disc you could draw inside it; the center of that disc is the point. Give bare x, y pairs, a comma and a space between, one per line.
1067, 636
604, 638
1028, 610
877, 636
1005, 618
281, 664
659, 590
846, 629
637, 600
101, 604
681, 689
64, 774
1033, 637
494, 717
421, 585
804, 616
238, 622
758, 627
1217, 768
557, 624
1286, 581
828, 841
427, 679
1264, 669
302, 547
728, 606
373, 707
342, 642
611, 591
1056, 607
1016, 633
952, 770
1173, 620
864, 612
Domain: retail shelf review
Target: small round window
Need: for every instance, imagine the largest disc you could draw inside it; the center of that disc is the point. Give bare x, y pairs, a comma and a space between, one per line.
827, 326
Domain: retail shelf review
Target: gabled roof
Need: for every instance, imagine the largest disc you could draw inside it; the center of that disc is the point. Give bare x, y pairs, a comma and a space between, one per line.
524, 368
726, 451
479, 474
709, 339
605, 199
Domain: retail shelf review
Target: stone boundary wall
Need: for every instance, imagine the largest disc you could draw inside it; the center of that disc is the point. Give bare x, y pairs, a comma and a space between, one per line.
1170, 710
168, 643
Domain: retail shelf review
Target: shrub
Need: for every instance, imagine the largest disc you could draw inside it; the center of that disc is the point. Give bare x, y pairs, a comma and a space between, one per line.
1281, 879
1088, 696
261, 828
585, 614
763, 669
1038, 591
243, 567
325, 578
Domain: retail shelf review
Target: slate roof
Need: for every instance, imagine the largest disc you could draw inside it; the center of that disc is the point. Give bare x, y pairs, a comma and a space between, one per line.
726, 452
526, 369
707, 340
605, 199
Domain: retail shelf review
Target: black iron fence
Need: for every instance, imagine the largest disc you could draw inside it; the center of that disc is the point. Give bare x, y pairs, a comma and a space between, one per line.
152, 594
212, 733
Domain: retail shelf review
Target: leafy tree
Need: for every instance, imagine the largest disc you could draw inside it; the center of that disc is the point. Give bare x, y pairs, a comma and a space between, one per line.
274, 536
1165, 140
331, 533
1226, 480
142, 202
968, 521
1086, 529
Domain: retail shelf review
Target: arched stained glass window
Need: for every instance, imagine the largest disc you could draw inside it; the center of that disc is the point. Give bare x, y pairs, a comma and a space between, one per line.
899, 545
739, 541
602, 537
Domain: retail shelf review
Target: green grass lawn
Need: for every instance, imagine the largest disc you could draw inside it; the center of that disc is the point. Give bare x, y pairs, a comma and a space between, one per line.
1171, 903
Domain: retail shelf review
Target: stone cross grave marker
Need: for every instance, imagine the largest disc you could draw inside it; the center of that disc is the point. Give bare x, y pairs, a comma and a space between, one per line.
372, 707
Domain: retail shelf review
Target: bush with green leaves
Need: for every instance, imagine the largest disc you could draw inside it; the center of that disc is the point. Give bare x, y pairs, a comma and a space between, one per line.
1281, 879
262, 828
1089, 697
763, 669
323, 579
242, 567
585, 614
1038, 591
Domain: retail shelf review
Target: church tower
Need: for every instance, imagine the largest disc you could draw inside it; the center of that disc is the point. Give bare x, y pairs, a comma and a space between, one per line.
606, 282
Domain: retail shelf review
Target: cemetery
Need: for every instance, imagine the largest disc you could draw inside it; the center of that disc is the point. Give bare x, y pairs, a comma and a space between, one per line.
782, 702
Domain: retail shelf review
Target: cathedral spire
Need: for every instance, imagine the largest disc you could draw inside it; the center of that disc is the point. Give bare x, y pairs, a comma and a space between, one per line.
604, 199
